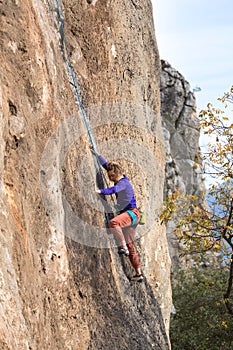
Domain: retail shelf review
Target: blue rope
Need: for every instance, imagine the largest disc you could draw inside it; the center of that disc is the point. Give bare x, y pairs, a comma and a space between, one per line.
61, 21
77, 94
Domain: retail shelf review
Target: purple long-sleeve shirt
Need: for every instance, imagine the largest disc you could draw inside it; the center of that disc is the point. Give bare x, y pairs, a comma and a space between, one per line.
123, 190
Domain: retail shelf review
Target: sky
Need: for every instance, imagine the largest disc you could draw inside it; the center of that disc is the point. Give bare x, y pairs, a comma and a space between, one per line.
196, 38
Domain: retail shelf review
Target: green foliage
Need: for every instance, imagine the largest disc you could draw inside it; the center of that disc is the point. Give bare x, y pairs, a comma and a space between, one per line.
200, 321
199, 229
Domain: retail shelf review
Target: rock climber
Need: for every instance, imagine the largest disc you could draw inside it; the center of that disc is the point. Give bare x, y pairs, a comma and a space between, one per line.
121, 225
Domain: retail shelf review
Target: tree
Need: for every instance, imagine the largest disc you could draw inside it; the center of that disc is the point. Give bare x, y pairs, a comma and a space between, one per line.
199, 322
209, 228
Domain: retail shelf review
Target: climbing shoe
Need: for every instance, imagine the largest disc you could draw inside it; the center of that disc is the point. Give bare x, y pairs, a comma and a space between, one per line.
123, 251
137, 278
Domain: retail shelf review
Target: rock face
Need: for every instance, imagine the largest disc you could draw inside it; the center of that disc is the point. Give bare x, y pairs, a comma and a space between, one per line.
181, 133
63, 285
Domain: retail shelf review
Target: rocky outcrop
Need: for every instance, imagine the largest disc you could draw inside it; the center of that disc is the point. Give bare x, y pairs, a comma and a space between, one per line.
63, 286
181, 133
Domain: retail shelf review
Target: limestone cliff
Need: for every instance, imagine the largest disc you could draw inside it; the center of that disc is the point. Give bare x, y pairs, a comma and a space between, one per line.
63, 286
181, 133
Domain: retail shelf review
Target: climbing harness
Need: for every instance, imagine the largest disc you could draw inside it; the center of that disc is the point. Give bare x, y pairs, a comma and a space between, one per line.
73, 82
133, 217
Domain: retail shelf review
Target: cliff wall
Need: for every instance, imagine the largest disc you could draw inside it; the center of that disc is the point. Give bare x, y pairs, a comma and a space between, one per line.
181, 134
63, 285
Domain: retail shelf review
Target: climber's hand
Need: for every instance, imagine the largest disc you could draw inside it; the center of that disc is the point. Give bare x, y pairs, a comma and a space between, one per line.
97, 190
92, 150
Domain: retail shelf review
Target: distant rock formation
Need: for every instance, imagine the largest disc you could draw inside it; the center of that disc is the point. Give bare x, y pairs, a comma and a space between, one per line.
181, 133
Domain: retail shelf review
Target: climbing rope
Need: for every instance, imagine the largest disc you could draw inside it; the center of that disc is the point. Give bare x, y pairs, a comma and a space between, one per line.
74, 83
77, 95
